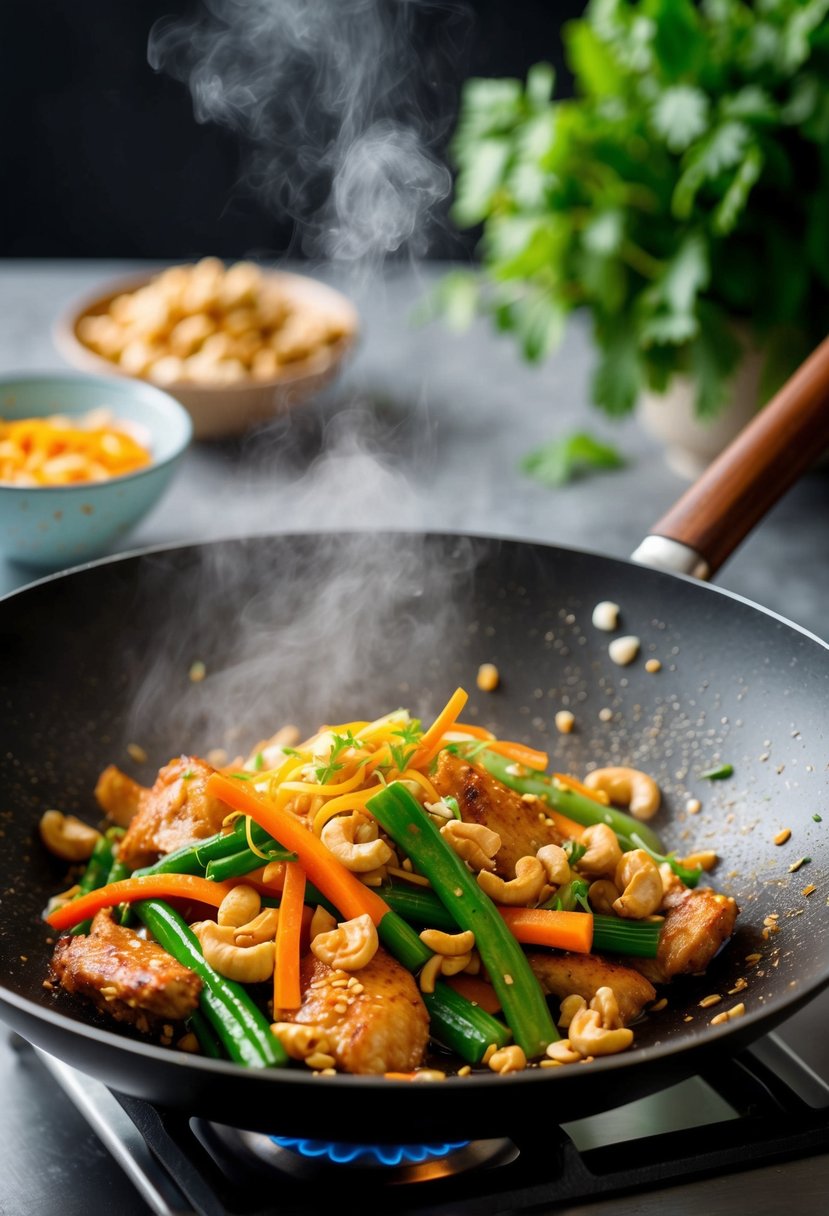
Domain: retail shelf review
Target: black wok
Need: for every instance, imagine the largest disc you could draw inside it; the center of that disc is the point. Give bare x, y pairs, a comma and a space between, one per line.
99, 658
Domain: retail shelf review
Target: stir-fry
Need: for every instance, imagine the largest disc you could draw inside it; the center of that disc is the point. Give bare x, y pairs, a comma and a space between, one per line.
383, 899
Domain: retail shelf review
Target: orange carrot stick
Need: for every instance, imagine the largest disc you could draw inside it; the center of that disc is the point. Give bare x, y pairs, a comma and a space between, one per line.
146, 886
287, 993
573, 784
330, 876
521, 754
568, 828
429, 745
545, 927
477, 732
476, 990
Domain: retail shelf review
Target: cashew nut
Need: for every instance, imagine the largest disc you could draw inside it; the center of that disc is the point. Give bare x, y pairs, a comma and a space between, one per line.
525, 888
569, 1007
454, 964
239, 906
563, 1052
475, 843
67, 836
605, 1004
638, 878
340, 838
556, 864
261, 929
590, 1038
603, 851
627, 787
301, 1041
322, 921
352, 945
246, 965
602, 895
508, 1059
449, 944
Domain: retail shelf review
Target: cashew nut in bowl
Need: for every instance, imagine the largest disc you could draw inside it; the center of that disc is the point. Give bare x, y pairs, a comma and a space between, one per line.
530, 879
628, 788
603, 851
67, 836
352, 945
245, 964
340, 838
638, 878
239, 906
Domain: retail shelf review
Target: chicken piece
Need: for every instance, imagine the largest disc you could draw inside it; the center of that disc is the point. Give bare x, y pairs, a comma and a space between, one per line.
385, 1027
562, 974
175, 812
118, 796
483, 799
696, 925
124, 975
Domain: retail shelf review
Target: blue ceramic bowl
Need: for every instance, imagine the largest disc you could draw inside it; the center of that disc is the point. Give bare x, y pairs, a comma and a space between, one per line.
56, 526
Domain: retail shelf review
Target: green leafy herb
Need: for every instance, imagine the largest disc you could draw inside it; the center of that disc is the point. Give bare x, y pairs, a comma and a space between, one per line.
690, 876
410, 733
333, 765
718, 774
685, 186
258, 762
187, 775
570, 456
291, 751
574, 850
452, 803
817, 818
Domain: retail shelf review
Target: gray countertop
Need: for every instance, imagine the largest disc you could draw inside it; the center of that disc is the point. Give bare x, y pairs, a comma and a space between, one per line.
424, 430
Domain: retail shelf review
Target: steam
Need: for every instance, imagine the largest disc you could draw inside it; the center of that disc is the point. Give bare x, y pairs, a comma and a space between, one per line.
341, 115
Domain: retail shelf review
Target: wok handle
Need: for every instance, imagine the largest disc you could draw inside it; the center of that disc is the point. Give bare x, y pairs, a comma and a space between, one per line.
702, 529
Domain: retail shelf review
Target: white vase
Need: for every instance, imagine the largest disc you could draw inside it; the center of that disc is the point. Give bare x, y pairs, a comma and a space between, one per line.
691, 443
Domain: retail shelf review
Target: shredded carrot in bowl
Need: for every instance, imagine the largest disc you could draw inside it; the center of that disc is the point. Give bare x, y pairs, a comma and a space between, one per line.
59, 451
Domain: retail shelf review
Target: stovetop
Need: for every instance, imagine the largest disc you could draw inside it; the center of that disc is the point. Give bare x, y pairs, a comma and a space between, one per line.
754, 1137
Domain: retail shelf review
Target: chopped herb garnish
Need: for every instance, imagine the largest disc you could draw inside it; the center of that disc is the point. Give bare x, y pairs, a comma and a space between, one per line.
574, 850
401, 756
291, 751
339, 744
188, 776
258, 762
410, 732
452, 803
242, 776
718, 774
817, 818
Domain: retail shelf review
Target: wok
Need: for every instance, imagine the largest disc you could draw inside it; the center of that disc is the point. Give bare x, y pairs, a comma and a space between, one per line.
313, 628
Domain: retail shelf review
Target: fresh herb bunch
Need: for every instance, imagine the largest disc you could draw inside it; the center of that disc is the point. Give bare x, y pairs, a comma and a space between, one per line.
684, 188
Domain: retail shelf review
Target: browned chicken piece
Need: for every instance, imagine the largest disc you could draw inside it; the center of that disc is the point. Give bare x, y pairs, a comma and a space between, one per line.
384, 1027
124, 975
118, 796
562, 974
176, 811
696, 925
483, 799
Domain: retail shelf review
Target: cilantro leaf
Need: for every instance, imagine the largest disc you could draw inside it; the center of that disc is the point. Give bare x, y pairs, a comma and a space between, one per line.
679, 115
333, 765
573, 455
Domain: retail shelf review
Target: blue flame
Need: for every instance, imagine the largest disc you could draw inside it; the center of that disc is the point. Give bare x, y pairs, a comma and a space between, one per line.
368, 1154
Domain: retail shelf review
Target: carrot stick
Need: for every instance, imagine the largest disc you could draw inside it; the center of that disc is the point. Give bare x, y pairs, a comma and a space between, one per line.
476, 990
477, 732
330, 876
147, 886
429, 744
521, 754
287, 993
545, 927
573, 784
567, 827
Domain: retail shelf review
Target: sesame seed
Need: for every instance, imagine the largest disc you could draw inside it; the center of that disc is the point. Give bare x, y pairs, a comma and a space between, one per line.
508, 979
708, 1001
652, 666
807, 890
659, 1005
137, 753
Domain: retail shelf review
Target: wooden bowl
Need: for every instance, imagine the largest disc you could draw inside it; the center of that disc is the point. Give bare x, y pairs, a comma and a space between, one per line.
222, 410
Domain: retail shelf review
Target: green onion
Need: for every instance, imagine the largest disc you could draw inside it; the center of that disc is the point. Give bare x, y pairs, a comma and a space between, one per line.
208, 1041
419, 906
634, 937
243, 1030
522, 1000
718, 774
461, 1026
585, 811
688, 876
570, 897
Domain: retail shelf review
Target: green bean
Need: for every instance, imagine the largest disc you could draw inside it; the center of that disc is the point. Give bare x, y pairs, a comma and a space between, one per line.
243, 1030
522, 1000
234, 865
97, 870
461, 1026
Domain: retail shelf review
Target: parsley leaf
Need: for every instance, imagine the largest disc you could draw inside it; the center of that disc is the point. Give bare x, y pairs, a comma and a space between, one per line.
571, 456
333, 765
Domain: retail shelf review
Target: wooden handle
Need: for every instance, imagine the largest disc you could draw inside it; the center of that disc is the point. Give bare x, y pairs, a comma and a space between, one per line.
757, 468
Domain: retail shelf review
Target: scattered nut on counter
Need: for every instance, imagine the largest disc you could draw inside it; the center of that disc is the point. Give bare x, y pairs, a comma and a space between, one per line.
207, 324
565, 721
488, 677
606, 616
624, 650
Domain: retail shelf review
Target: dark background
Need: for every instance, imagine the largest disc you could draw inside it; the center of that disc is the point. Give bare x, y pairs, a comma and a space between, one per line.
102, 156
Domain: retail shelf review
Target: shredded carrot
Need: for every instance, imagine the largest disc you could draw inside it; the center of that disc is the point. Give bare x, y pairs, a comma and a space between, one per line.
343, 888
545, 927
476, 990
146, 886
477, 732
400, 1076
521, 754
429, 745
412, 774
287, 993
344, 802
573, 784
